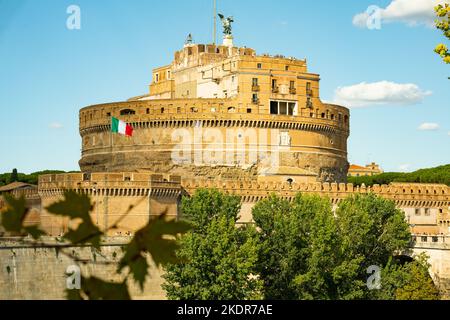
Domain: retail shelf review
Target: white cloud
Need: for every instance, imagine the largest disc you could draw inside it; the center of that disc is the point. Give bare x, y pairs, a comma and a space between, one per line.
379, 93
55, 125
404, 167
428, 126
411, 12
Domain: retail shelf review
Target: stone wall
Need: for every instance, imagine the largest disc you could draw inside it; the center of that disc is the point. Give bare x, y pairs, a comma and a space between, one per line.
39, 272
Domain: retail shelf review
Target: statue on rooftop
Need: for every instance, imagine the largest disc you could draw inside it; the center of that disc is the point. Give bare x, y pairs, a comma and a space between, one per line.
226, 23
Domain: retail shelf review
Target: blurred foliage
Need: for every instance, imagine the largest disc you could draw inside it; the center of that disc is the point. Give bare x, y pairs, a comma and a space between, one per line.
157, 240
439, 174
443, 23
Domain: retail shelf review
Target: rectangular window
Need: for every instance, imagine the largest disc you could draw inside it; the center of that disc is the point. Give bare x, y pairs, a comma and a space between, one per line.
427, 211
254, 82
417, 212
291, 108
259, 66
282, 106
292, 85
286, 68
273, 107
308, 86
274, 83
255, 98
249, 110
156, 77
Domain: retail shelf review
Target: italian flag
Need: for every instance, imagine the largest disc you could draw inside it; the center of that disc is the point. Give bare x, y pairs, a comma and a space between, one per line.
118, 126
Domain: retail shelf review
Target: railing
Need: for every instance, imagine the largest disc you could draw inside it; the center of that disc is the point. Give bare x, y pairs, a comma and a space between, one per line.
309, 92
292, 90
275, 89
255, 88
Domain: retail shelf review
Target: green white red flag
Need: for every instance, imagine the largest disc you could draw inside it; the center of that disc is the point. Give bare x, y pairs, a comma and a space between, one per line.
121, 127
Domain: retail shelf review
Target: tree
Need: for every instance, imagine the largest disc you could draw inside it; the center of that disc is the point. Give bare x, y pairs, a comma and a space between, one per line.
443, 24
217, 258
407, 281
309, 252
14, 176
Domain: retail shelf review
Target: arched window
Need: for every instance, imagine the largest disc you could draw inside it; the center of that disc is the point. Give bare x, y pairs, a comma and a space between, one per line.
345, 119
126, 112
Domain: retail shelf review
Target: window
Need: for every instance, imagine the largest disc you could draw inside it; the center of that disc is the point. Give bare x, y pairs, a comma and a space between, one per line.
162, 110
108, 114
291, 84
259, 66
286, 68
231, 109
254, 82
168, 74
255, 98
273, 107
427, 211
274, 83
291, 110
178, 109
249, 110
323, 115
283, 108
308, 86
156, 77
147, 111
417, 212
126, 112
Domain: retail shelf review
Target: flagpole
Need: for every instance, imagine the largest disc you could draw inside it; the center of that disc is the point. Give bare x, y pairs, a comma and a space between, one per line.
111, 142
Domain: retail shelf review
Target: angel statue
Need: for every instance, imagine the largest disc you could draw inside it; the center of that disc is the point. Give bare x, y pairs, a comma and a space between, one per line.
226, 22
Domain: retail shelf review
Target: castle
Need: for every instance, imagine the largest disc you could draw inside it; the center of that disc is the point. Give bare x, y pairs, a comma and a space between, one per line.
224, 117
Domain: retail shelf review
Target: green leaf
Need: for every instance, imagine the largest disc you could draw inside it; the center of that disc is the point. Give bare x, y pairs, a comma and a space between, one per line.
78, 206
153, 239
13, 218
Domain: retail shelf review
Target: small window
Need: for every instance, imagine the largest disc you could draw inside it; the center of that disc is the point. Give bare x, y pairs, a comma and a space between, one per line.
126, 112
417, 212
274, 83
332, 116
259, 66
291, 84
249, 110
156, 77
178, 110
291, 108
147, 111
427, 211
254, 82
162, 110
308, 86
255, 98
168, 74
108, 114
286, 68
323, 115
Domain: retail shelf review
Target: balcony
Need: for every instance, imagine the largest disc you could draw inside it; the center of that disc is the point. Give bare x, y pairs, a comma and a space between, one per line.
309, 92
255, 88
255, 101
275, 89
292, 90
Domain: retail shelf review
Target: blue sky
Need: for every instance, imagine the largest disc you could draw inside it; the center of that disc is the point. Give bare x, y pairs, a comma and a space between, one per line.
48, 72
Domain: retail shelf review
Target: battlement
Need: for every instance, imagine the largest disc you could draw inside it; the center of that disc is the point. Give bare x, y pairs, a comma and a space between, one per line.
335, 118
404, 194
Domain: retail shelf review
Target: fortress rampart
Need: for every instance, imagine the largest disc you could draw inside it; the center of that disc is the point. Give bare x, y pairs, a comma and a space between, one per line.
425, 205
